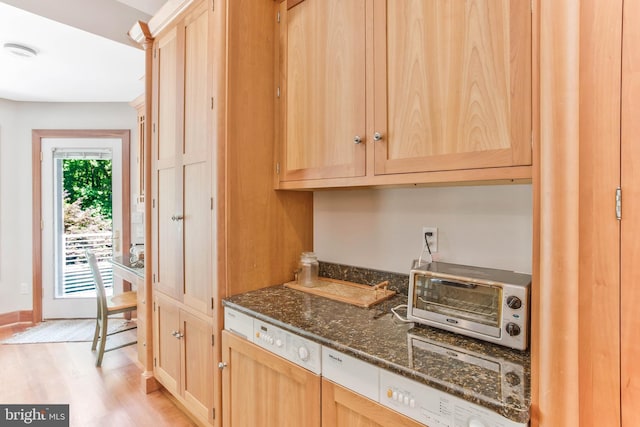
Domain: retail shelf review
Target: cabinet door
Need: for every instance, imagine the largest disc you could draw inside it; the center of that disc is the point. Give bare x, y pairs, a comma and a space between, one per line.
139, 105
166, 343
166, 229
452, 84
197, 361
261, 389
630, 223
141, 321
183, 164
196, 167
344, 408
323, 90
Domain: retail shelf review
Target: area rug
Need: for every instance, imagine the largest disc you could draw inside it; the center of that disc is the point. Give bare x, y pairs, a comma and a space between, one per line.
66, 330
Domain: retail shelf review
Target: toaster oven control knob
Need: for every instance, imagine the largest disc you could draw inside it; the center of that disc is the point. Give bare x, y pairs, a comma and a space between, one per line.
514, 302
512, 378
513, 329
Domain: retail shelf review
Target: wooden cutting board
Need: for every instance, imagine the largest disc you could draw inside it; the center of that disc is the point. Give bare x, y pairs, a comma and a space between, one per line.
352, 293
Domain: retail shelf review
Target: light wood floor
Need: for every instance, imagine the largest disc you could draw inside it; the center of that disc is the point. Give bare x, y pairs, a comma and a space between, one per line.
61, 373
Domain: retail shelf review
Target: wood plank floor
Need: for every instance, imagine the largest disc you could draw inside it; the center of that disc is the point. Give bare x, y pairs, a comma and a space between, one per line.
65, 373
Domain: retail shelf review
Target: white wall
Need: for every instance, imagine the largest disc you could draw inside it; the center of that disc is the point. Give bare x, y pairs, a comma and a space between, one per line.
489, 226
17, 119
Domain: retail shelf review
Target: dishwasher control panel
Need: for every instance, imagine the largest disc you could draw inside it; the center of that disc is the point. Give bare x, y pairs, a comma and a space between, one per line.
434, 407
290, 346
294, 348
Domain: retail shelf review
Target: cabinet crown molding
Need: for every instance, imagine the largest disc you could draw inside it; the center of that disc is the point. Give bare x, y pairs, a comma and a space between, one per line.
167, 14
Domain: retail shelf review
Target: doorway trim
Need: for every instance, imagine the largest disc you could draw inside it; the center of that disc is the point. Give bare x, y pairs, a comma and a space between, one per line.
36, 161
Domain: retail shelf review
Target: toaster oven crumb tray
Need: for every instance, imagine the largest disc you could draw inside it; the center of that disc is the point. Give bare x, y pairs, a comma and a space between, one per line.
349, 292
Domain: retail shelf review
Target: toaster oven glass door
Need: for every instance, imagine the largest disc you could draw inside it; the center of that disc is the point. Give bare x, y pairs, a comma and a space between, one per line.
445, 362
468, 305
500, 380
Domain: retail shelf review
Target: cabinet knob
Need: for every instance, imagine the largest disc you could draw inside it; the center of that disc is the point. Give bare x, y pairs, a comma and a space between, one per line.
357, 139
222, 365
177, 217
377, 136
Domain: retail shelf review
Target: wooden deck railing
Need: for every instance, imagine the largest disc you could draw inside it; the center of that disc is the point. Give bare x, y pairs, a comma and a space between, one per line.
76, 273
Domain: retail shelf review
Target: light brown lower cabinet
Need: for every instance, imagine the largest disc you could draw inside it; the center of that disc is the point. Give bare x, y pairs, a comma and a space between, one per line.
262, 389
183, 356
344, 408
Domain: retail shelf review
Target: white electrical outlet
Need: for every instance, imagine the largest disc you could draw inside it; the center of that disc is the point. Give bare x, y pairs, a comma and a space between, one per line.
24, 288
432, 239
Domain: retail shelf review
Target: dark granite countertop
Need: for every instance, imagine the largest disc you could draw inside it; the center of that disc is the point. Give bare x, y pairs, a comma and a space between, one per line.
498, 378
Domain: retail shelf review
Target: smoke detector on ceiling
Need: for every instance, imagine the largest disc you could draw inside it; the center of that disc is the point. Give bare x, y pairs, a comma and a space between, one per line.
20, 50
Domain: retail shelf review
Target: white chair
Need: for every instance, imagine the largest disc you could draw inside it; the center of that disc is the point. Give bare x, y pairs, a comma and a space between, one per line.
122, 303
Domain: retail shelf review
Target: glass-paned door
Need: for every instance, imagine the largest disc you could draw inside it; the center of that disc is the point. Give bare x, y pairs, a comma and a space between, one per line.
80, 193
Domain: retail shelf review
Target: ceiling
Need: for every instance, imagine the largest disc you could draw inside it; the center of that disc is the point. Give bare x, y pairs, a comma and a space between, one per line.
83, 52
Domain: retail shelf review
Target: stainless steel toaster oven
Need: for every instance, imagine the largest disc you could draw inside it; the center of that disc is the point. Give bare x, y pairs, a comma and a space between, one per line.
484, 303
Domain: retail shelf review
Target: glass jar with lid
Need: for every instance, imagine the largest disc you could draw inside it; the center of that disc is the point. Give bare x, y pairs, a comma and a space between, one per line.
308, 268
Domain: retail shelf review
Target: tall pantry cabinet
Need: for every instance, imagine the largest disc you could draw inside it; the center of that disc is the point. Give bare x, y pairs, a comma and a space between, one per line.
218, 226
588, 195
182, 194
182, 214
630, 227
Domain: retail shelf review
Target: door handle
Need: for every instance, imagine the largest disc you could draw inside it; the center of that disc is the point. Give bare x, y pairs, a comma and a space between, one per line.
177, 217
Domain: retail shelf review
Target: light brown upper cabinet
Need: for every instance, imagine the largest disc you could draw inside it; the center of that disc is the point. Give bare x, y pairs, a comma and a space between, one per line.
386, 92
325, 90
182, 203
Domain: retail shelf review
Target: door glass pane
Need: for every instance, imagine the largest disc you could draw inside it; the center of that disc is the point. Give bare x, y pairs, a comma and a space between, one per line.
83, 220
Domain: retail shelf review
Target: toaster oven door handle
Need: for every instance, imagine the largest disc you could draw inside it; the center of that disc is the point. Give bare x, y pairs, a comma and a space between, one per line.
444, 282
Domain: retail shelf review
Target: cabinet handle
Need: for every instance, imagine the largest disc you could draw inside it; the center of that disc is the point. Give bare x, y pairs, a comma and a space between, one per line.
175, 333
222, 365
357, 139
377, 136
177, 217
